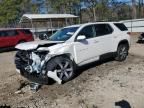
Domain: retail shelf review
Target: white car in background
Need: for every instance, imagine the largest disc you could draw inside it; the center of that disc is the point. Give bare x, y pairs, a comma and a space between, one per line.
70, 47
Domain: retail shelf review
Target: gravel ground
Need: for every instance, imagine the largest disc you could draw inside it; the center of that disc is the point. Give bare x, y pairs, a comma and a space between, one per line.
98, 85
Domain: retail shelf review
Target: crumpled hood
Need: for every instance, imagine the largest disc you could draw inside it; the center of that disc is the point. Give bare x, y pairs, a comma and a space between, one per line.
35, 44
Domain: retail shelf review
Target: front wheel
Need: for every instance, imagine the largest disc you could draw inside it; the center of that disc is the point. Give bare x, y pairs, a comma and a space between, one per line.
63, 66
122, 52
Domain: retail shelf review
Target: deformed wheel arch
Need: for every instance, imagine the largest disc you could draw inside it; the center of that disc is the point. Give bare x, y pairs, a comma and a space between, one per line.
124, 42
67, 55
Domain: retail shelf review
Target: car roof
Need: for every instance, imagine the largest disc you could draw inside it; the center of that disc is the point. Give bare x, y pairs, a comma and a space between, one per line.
77, 25
89, 23
13, 29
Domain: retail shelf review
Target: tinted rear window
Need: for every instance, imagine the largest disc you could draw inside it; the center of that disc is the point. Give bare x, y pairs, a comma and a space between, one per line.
103, 29
26, 31
12, 33
121, 26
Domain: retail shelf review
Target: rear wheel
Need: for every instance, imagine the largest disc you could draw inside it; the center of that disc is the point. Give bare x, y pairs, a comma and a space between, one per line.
63, 66
122, 52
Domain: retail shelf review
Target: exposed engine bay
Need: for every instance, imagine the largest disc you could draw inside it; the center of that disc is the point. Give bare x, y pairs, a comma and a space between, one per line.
32, 65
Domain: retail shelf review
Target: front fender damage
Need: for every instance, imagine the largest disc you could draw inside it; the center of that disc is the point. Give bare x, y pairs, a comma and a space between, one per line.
34, 67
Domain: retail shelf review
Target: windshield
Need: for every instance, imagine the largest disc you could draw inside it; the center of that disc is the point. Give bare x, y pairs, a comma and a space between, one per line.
63, 34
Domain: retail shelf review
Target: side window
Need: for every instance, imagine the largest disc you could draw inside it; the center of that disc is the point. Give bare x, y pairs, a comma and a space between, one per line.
12, 33
103, 29
88, 31
121, 26
3, 34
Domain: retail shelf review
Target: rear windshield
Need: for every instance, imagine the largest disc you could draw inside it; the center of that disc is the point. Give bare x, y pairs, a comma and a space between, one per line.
26, 31
121, 26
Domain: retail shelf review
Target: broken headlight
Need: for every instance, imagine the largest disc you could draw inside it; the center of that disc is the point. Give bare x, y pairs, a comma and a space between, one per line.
31, 65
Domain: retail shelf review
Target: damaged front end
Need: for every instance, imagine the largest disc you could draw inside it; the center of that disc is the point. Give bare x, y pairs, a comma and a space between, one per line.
32, 65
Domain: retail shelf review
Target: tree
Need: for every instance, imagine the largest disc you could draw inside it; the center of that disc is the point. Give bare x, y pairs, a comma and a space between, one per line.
120, 10
8, 11
63, 6
140, 10
91, 4
12, 10
98, 8
134, 12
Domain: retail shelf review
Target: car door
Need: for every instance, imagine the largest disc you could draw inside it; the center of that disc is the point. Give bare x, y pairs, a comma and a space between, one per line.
104, 38
85, 49
3, 39
12, 37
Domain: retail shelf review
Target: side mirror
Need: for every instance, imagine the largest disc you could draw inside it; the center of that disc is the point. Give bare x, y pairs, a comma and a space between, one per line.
81, 37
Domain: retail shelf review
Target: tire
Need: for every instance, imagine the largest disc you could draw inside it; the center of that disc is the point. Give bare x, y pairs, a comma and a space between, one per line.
64, 66
140, 41
122, 52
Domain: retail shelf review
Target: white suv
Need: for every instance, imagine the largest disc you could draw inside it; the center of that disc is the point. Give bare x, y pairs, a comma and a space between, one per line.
70, 47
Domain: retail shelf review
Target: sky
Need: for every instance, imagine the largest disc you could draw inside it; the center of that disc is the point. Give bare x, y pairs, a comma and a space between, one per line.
126, 0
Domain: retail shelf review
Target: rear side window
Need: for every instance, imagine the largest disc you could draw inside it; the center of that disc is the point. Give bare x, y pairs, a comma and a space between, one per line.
11, 33
103, 29
26, 32
121, 26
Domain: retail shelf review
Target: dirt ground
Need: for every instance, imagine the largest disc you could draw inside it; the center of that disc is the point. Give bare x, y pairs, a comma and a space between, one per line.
98, 85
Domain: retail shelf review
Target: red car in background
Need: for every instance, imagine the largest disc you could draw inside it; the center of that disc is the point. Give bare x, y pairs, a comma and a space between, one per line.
12, 37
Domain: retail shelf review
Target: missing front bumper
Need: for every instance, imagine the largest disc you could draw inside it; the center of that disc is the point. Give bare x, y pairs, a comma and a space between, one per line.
39, 78
33, 77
